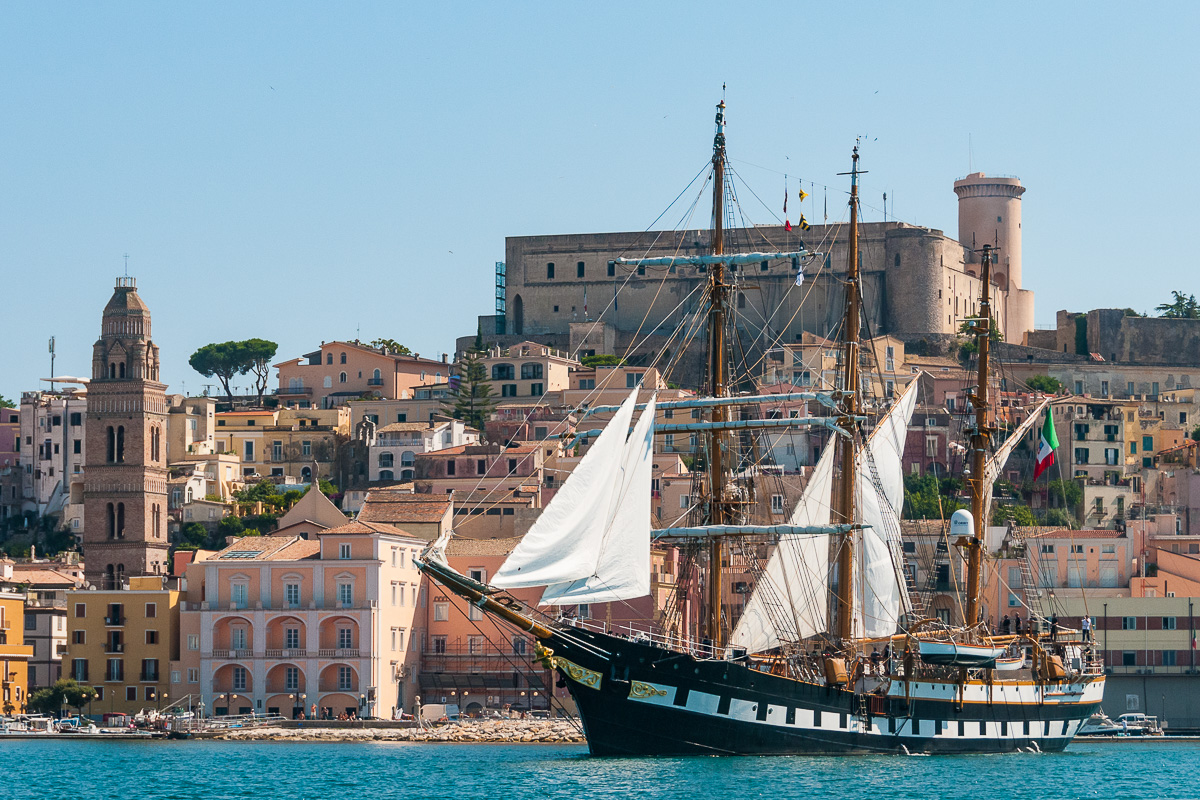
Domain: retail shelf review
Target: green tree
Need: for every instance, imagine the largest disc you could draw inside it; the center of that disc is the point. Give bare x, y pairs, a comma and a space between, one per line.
1020, 515
602, 361
5, 402
1057, 518
1065, 493
392, 345
193, 536
1044, 384
66, 691
470, 396
1182, 306
258, 354
224, 360
927, 497
1196, 434
970, 344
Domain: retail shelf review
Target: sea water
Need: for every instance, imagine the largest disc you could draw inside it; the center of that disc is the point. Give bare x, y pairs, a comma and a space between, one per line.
192, 770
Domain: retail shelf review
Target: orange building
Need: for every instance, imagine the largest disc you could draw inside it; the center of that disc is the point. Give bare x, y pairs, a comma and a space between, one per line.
14, 653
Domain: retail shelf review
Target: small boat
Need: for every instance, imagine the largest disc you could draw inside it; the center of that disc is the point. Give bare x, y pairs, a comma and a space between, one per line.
1099, 724
1010, 664
957, 654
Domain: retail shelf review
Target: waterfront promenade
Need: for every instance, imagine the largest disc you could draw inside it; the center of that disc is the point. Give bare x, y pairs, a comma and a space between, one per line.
482, 731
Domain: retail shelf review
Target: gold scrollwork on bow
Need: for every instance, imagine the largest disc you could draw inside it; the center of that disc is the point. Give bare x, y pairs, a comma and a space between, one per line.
587, 677
640, 691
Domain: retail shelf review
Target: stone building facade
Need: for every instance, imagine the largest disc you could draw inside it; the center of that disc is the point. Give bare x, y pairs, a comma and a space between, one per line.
562, 290
125, 488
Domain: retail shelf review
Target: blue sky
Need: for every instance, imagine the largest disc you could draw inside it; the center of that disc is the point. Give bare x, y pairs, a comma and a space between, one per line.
308, 171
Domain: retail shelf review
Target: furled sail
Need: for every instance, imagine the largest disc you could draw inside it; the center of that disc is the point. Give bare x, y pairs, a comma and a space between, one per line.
995, 464
564, 544
622, 570
789, 601
880, 591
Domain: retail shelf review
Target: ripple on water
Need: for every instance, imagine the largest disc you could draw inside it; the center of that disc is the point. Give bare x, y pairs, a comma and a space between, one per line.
283, 771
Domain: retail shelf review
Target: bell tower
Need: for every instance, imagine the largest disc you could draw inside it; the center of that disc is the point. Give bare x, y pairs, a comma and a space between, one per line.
125, 477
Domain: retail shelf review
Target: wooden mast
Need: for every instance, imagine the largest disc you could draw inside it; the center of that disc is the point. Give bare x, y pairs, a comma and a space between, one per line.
980, 439
717, 386
844, 500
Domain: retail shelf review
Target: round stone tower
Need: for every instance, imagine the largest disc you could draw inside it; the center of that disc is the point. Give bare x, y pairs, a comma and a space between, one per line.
989, 212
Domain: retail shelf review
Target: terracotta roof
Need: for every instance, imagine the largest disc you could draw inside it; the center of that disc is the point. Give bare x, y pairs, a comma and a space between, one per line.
404, 426
393, 507
359, 527
1064, 533
511, 450
268, 548
38, 577
463, 546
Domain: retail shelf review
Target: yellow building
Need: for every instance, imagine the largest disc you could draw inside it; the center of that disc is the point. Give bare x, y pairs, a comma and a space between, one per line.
283, 443
122, 643
14, 653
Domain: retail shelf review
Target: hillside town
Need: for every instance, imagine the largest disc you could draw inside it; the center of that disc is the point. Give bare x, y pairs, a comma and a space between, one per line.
254, 553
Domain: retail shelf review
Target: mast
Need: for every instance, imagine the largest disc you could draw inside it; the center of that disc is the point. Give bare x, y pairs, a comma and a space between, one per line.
980, 439
843, 510
717, 386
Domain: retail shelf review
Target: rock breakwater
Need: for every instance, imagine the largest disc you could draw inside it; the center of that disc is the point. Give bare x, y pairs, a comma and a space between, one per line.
493, 731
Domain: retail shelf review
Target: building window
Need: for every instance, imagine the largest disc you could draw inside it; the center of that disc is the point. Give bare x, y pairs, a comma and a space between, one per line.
345, 594
549, 270
193, 641
481, 466
508, 390
1168, 623
306, 448
633, 379
291, 638
345, 679
79, 637
238, 639
341, 377
531, 371
1129, 623
291, 595
239, 679
277, 450
441, 612
248, 448
79, 669
239, 595
193, 675
776, 504
151, 637
291, 679
344, 550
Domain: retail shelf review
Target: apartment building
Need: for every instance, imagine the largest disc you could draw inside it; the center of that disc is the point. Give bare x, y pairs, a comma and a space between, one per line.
343, 371
396, 445
528, 369
123, 641
53, 449
14, 654
282, 443
285, 623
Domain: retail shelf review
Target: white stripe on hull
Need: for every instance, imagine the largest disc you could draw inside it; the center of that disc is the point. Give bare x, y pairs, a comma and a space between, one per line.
805, 718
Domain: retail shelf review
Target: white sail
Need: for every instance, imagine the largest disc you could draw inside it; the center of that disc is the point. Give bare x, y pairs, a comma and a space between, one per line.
880, 494
995, 464
622, 570
564, 543
792, 590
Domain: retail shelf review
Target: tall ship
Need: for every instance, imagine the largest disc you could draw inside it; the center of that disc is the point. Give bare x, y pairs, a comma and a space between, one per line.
832, 652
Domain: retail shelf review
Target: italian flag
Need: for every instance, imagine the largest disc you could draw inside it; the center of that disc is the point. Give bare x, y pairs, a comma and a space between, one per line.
1047, 446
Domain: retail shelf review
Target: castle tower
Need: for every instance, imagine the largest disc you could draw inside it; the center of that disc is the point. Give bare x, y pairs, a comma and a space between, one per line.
989, 212
125, 477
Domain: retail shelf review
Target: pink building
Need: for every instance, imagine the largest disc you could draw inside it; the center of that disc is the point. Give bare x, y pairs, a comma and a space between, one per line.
342, 371
285, 623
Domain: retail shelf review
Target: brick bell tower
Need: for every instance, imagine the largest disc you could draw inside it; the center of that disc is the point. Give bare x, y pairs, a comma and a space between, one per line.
125, 476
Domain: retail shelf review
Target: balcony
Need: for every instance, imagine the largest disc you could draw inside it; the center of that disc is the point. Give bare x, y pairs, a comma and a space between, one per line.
114, 647
288, 654
114, 676
149, 677
339, 652
374, 381
294, 391
114, 621
240, 654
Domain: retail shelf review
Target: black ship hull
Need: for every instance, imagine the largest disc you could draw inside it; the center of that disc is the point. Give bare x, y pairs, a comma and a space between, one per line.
637, 699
